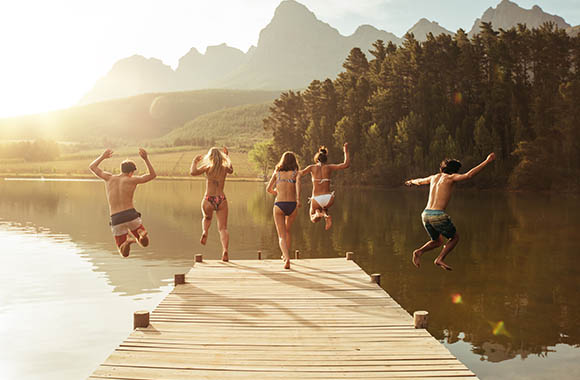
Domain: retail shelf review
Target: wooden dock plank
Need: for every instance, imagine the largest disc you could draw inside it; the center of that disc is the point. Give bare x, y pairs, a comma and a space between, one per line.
323, 319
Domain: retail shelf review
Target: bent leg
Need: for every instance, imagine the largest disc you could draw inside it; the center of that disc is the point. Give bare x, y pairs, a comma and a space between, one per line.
124, 244
432, 244
451, 243
207, 213
141, 235
279, 220
222, 222
315, 211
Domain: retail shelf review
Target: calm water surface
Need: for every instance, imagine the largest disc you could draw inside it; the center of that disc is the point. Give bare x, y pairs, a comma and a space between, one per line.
509, 310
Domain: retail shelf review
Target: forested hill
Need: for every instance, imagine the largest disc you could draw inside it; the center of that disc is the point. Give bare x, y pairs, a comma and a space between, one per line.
132, 119
515, 92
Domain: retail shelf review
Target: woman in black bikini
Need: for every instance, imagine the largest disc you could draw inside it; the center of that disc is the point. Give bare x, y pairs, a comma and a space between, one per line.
216, 165
285, 185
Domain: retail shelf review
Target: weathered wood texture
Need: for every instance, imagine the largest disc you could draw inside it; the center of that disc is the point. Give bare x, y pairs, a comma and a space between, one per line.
323, 319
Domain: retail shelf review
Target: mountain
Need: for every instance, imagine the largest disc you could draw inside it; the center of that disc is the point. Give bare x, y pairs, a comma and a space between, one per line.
573, 31
293, 49
132, 76
289, 57
507, 15
202, 71
423, 27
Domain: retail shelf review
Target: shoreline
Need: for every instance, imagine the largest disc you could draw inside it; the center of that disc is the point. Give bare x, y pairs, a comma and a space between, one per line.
86, 177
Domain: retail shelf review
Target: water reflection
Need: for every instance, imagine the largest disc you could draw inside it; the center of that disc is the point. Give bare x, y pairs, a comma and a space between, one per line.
512, 292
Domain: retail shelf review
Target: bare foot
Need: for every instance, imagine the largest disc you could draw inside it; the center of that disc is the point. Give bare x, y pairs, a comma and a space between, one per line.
225, 257
203, 239
442, 265
328, 222
287, 264
416, 258
125, 248
143, 240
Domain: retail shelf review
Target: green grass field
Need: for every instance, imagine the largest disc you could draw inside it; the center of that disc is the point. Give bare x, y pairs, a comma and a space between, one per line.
168, 162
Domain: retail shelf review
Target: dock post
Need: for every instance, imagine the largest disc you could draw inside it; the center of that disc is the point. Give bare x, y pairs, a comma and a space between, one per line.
421, 319
297, 254
376, 278
259, 255
350, 255
198, 258
179, 279
140, 319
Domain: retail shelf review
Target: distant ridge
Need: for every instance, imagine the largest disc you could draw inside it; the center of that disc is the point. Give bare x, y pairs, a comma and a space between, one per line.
508, 14
423, 27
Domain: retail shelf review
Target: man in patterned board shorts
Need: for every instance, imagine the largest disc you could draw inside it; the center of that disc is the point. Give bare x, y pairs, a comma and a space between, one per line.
120, 190
436, 221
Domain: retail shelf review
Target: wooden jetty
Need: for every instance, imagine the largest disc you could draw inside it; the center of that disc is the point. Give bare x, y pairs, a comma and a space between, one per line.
251, 319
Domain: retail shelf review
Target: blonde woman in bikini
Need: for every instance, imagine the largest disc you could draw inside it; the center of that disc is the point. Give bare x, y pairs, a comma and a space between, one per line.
216, 165
285, 185
322, 198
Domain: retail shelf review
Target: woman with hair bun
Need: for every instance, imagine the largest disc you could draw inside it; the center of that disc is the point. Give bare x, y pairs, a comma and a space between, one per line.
322, 198
285, 185
216, 165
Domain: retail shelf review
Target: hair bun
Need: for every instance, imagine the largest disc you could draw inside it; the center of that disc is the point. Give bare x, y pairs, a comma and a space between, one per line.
323, 150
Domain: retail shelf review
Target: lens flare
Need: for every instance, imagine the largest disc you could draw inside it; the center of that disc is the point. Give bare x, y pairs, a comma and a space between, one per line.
498, 328
456, 298
457, 98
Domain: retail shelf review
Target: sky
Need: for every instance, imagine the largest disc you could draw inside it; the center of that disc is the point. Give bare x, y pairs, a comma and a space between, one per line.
52, 52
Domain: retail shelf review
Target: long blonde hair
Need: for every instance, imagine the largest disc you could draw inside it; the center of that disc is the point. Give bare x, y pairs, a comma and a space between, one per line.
215, 160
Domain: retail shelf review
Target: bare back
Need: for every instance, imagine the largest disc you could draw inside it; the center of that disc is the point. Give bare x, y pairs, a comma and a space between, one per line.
120, 190
440, 187
215, 182
321, 179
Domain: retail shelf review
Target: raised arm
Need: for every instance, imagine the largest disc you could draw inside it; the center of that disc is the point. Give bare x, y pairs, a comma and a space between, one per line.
270, 186
94, 166
346, 163
194, 170
151, 172
470, 174
229, 169
418, 181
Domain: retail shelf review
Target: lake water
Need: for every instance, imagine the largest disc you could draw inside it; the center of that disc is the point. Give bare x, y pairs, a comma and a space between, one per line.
509, 310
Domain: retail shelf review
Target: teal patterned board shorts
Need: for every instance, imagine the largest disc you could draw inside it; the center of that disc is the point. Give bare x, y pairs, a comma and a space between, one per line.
437, 222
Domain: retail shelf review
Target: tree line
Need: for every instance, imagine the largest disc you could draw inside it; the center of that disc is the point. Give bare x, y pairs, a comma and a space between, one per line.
515, 92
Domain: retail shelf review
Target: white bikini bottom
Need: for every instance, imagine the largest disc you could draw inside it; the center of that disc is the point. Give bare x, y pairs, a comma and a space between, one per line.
323, 199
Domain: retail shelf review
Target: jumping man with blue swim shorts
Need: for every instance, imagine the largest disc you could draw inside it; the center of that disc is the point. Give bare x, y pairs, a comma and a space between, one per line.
435, 220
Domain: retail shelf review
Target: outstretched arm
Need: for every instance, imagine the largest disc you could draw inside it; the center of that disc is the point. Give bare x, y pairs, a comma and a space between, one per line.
194, 170
346, 163
270, 186
151, 174
94, 166
418, 181
475, 170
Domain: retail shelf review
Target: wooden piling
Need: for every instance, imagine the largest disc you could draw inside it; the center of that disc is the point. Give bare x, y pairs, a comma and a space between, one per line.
198, 258
376, 278
259, 255
350, 255
421, 319
179, 279
297, 254
140, 319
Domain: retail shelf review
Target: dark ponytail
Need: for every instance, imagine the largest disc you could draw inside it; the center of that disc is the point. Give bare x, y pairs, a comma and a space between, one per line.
321, 156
